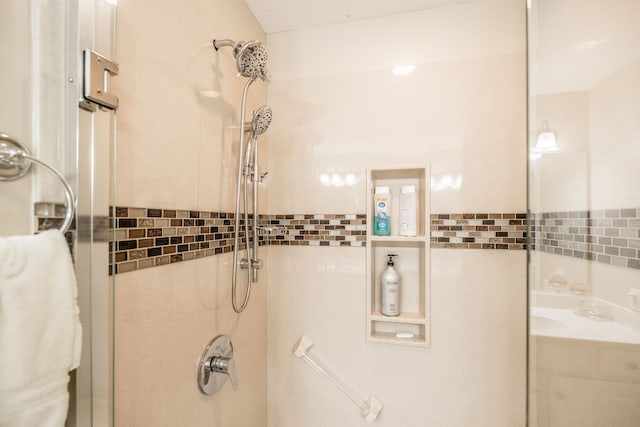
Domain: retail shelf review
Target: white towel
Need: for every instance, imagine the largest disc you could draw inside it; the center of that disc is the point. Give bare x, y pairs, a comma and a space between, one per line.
40, 332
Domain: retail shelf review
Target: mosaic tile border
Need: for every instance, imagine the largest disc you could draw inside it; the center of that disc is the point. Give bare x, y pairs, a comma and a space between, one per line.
49, 215
52, 216
317, 230
610, 236
479, 231
147, 237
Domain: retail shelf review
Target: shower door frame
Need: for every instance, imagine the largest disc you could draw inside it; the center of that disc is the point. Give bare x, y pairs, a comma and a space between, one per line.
94, 25
42, 46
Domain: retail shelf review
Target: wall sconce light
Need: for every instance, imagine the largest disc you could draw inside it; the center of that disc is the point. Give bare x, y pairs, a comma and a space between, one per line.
545, 140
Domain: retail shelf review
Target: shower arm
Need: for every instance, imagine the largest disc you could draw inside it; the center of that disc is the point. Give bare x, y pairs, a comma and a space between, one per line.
217, 44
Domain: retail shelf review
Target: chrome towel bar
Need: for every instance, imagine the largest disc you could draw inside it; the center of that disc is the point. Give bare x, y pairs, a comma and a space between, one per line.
15, 162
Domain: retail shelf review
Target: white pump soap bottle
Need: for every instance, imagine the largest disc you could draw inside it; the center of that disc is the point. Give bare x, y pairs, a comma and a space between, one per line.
390, 289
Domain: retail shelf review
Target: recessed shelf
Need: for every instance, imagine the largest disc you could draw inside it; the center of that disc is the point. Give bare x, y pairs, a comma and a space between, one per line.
398, 239
404, 317
412, 261
416, 341
391, 337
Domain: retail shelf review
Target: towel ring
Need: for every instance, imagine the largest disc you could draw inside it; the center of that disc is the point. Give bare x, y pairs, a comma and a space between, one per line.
15, 162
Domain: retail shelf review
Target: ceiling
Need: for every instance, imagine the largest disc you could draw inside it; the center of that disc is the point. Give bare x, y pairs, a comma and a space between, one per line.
575, 43
277, 16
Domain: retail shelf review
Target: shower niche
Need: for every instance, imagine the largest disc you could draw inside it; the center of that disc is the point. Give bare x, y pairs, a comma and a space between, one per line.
411, 327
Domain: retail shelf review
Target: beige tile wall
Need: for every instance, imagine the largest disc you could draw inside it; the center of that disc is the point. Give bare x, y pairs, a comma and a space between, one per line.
462, 112
338, 110
473, 373
164, 317
175, 149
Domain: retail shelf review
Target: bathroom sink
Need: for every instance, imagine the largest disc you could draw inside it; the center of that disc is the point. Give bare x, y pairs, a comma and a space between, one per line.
581, 317
541, 321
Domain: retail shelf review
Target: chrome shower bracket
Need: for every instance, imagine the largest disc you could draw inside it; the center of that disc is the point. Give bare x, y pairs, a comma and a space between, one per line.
260, 177
256, 264
216, 364
272, 231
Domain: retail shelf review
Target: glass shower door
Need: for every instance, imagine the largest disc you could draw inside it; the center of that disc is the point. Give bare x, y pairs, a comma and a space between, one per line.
41, 86
584, 204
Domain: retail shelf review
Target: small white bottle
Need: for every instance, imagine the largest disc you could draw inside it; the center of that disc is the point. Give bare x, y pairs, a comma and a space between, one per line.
408, 211
390, 289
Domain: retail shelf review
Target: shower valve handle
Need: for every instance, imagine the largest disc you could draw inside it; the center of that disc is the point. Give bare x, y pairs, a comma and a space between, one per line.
215, 365
225, 365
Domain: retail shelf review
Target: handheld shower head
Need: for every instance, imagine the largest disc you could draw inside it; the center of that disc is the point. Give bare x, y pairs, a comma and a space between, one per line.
261, 120
251, 57
259, 125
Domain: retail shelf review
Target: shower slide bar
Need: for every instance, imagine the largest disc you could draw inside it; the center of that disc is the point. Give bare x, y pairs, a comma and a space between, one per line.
369, 408
15, 162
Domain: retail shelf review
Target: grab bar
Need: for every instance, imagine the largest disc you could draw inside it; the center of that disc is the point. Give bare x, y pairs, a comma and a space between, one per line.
15, 162
369, 409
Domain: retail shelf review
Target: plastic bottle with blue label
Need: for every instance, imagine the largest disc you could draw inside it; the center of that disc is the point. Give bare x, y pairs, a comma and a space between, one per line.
382, 220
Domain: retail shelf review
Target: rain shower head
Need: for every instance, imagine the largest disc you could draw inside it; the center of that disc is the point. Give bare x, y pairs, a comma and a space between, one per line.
261, 120
252, 60
251, 57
